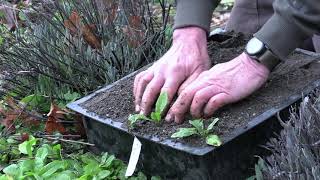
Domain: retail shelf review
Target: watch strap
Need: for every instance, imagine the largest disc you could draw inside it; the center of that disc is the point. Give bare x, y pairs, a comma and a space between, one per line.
269, 60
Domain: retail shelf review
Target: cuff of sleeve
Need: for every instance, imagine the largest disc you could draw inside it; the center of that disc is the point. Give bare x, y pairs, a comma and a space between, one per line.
194, 13
281, 36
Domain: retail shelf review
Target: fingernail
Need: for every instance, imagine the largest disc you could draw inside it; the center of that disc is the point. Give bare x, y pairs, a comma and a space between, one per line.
137, 108
168, 118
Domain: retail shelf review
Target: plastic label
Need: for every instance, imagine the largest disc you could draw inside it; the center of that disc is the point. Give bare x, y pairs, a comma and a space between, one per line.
134, 157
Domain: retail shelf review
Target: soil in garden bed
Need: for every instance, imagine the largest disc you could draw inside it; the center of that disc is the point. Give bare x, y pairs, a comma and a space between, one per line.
288, 78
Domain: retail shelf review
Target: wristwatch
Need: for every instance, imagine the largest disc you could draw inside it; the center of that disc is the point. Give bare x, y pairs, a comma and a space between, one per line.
257, 50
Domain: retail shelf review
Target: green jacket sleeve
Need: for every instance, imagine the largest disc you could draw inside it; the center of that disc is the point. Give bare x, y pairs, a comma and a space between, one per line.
293, 22
195, 13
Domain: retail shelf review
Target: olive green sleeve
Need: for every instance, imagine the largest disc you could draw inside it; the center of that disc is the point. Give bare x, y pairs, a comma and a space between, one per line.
293, 22
195, 13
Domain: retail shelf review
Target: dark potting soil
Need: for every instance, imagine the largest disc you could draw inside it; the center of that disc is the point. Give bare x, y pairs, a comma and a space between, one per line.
287, 79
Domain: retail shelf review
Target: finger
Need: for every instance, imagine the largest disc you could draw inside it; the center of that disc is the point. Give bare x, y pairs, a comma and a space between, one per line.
171, 87
181, 106
191, 79
215, 103
151, 94
200, 99
142, 84
136, 81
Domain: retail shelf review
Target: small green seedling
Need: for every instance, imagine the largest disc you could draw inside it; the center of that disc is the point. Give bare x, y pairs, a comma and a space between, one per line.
199, 130
156, 115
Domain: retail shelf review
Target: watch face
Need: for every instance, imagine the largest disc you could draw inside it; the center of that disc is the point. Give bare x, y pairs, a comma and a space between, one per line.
254, 46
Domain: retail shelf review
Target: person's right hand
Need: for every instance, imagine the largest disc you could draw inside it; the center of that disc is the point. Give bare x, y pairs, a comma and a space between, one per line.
183, 62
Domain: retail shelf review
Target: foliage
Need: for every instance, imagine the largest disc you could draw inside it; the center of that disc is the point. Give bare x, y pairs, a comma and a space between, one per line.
78, 46
46, 161
199, 130
161, 104
296, 151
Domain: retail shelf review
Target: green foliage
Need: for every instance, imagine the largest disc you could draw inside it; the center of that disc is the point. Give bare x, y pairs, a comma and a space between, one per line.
133, 118
161, 104
184, 132
46, 162
39, 102
27, 146
213, 140
199, 130
50, 60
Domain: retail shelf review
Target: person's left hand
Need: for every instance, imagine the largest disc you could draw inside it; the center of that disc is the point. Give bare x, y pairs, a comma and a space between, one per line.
223, 84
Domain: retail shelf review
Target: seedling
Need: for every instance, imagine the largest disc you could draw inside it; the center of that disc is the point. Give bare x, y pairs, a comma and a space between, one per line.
199, 130
161, 104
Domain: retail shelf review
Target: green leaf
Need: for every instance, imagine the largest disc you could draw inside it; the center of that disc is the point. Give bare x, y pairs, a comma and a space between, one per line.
258, 171
64, 175
184, 132
211, 125
103, 174
136, 117
198, 124
27, 146
161, 102
4, 177
104, 157
92, 168
12, 170
37, 101
41, 156
109, 161
70, 97
27, 165
57, 150
156, 116
213, 140
51, 168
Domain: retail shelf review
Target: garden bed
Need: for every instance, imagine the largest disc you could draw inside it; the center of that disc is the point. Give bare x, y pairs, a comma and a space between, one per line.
242, 126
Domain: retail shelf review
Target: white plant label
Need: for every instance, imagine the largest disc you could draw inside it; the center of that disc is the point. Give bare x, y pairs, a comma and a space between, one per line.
134, 157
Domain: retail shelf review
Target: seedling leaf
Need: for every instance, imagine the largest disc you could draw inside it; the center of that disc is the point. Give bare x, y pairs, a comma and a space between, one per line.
184, 132
211, 125
198, 124
213, 140
133, 118
161, 102
156, 116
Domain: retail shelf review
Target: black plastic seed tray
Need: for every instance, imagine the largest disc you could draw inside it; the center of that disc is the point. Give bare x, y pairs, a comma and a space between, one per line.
174, 160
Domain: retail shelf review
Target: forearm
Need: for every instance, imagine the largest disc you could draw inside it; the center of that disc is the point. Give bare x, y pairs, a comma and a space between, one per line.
292, 23
195, 13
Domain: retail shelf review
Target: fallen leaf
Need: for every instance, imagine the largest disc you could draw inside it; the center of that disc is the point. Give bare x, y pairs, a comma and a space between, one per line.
24, 137
90, 37
73, 23
16, 111
53, 116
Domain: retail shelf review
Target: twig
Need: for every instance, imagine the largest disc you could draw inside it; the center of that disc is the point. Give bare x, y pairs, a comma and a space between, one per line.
70, 141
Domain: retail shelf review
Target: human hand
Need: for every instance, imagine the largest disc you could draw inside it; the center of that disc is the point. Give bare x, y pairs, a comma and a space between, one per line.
223, 84
183, 62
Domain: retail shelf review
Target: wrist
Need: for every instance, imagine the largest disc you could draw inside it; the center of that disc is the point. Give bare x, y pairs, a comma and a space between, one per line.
261, 69
190, 34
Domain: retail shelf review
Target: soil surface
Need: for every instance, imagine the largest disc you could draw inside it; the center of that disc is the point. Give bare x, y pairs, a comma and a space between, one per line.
287, 79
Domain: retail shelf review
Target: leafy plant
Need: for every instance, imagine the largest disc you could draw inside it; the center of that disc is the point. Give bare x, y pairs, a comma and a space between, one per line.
78, 46
199, 130
161, 104
45, 161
